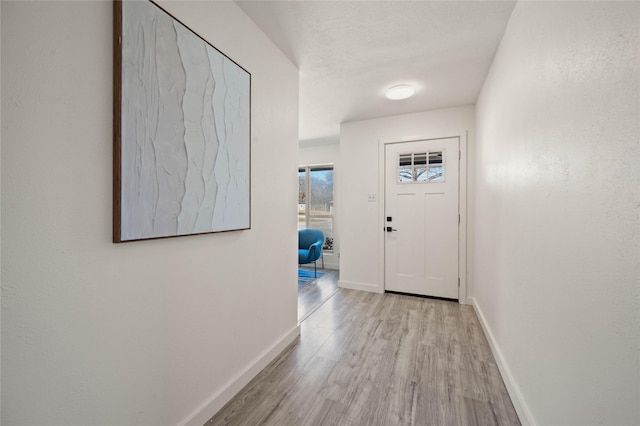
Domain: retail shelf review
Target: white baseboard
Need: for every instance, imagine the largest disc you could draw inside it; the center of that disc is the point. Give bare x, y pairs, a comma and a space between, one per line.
512, 387
331, 265
327, 265
351, 285
205, 411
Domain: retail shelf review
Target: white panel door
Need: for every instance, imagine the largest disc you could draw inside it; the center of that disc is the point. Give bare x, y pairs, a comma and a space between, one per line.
421, 217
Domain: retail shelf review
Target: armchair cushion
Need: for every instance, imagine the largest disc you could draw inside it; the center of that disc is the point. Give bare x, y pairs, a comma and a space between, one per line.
310, 242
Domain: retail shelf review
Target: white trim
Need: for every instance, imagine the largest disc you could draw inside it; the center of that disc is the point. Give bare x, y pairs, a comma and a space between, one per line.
463, 142
351, 285
526, 418
382, 175
210, 407
330, 265
462, 210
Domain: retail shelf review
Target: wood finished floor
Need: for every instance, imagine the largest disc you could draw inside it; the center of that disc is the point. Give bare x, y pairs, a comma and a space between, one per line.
314, 294
379, 359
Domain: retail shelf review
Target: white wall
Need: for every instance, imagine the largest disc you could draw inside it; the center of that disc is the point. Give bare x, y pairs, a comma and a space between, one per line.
557, 198
361, 223
145, 333
326, 152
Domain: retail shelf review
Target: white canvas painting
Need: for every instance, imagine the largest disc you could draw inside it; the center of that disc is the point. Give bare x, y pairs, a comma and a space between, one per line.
185, 131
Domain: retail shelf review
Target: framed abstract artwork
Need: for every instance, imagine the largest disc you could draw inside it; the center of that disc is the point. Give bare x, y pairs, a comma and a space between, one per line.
182, 130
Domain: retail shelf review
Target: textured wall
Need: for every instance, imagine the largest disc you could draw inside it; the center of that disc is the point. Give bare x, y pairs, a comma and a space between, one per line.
557, 229
141, 333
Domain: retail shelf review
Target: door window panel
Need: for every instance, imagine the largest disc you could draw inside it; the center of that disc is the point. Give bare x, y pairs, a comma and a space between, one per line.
421, 167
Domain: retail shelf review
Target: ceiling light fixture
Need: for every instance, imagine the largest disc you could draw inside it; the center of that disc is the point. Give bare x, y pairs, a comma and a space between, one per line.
403, 91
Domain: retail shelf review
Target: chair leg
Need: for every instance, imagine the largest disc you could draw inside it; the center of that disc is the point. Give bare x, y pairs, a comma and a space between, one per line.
315, 271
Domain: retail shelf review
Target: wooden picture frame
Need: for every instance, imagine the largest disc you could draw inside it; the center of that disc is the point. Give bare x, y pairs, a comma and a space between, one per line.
182, 130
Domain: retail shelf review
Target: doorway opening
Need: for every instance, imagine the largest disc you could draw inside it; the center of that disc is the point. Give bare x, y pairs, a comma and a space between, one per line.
316, 211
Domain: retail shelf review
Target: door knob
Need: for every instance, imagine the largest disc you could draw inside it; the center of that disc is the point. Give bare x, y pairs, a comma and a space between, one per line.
390, 229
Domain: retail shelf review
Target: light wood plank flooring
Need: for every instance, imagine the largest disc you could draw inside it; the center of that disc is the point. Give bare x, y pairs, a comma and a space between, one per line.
379, 359
314, 294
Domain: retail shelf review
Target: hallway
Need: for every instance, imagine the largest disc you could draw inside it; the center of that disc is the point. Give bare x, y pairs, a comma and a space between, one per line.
379, 359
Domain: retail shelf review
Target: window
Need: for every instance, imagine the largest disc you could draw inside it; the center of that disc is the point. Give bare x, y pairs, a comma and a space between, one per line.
315, 201
421, 167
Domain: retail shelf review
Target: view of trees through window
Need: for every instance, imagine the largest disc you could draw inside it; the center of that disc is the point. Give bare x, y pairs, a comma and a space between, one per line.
315, 201
413, 167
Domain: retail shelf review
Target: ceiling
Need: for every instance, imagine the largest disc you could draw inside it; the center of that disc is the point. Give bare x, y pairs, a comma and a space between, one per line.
350, 52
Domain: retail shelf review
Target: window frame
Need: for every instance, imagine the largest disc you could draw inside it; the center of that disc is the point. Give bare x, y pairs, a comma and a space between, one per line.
307, 205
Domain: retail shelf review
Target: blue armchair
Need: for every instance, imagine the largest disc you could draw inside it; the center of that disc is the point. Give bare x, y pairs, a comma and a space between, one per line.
310, 242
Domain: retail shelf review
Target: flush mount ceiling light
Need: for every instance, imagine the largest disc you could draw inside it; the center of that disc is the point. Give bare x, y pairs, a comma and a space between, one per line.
403, 91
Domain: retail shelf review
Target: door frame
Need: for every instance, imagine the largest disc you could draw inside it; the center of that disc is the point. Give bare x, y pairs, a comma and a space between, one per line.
462, 207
